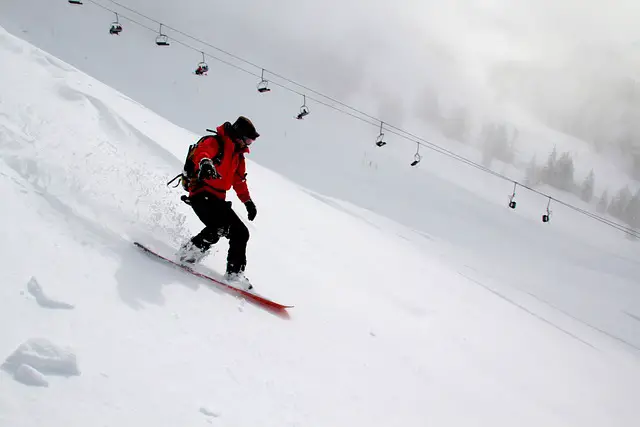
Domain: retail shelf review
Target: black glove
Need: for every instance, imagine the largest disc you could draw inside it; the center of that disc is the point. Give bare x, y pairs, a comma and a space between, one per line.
207, 170
251, 210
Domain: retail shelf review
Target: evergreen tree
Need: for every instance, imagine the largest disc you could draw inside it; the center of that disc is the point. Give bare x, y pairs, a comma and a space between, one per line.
456, 126
488, 132
586, 189
619, 202
497, 144
548, 172
564, 173
552, 159
632, 211
603, 203
532, 174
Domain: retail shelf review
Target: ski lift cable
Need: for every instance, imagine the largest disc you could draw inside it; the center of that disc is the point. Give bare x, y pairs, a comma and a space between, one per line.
280, 76
189, 46
275, 83
354, 113
180, 42
182, 33
599, 218
398, 131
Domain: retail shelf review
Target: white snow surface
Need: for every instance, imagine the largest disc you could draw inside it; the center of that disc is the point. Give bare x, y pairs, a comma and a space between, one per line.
28, 375
43, 300
42, 356
391, 325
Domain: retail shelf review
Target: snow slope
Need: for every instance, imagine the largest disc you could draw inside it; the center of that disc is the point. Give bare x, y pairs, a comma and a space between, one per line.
391, 326
581, 268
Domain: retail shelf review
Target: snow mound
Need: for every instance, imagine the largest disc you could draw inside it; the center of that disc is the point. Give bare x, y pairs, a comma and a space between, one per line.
42, 299
209, 412
30, 376
42, 356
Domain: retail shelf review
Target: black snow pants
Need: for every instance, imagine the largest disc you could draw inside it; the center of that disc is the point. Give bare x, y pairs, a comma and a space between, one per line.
221, 221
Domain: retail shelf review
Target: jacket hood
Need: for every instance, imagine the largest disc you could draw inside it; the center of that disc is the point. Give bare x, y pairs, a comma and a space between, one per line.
226, 131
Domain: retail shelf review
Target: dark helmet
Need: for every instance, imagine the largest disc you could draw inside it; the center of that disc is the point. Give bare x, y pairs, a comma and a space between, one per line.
244, 128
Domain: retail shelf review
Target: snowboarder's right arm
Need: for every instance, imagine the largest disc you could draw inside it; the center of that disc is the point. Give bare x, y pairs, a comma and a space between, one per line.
207, 170
207, 149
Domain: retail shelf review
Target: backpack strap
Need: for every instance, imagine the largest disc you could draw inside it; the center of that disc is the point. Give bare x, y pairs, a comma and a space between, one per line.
218, 157
174, 178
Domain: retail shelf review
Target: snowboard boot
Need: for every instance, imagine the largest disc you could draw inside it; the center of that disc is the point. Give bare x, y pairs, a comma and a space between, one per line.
190, 253
238, 280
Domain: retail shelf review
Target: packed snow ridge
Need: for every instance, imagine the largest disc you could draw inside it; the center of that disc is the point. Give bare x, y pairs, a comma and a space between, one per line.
33, 360
42, 299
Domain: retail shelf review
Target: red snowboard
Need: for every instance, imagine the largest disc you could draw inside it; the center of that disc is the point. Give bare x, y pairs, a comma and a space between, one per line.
260, 300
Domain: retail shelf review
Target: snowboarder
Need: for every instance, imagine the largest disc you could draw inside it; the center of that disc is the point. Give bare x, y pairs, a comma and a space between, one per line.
219, 164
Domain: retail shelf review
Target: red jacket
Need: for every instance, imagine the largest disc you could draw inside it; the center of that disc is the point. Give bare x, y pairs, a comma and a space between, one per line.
232, 167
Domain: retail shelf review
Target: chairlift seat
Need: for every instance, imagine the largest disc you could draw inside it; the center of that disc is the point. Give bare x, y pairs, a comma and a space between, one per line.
162, 40
262, 86
116, 28
202, 68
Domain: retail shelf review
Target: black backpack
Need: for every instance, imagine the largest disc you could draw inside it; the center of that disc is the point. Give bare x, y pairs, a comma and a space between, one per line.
188, 178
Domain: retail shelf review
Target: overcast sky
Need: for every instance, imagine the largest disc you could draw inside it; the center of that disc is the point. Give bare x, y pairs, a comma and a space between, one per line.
403, 45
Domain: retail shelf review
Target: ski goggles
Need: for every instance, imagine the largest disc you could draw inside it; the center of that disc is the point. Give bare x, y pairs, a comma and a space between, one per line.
247, 141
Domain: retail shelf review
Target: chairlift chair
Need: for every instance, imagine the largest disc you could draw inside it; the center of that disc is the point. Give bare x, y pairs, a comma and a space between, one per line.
202, 67
546, 217
416, 157
380, 142
162, 39
512, 197
115, 29
263, 85
304, 110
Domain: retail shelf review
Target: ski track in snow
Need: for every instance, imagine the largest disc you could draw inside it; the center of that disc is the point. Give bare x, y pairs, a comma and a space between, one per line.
526, 310
602, 331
